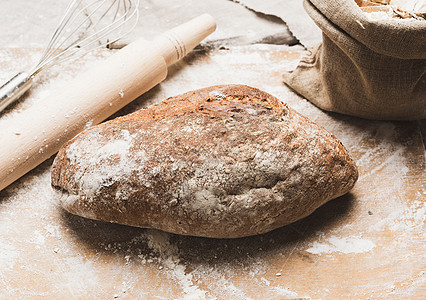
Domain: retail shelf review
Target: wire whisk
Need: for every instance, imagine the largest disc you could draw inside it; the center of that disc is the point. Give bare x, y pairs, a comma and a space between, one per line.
85, 26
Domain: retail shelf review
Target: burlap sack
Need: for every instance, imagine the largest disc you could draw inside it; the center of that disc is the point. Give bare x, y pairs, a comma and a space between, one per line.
364, 68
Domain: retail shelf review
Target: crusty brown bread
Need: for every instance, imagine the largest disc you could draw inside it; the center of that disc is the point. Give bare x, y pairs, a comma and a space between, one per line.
225, 161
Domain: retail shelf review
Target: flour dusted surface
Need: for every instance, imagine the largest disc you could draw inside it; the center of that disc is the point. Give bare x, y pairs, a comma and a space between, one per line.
32, 226
101, 152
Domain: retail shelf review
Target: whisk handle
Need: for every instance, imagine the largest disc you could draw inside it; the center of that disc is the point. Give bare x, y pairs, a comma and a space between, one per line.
14, 88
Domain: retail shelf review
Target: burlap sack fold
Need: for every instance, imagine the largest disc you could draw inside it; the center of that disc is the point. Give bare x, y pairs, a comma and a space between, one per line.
373, 69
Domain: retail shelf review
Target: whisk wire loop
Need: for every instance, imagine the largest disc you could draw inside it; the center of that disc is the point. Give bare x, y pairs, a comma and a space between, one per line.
87, 30
49, 50
83, 28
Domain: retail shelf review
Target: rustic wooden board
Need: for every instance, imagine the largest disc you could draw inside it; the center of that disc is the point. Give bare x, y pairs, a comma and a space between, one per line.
367, 244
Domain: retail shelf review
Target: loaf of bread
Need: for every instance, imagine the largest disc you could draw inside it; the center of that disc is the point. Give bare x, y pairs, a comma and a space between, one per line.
224, 161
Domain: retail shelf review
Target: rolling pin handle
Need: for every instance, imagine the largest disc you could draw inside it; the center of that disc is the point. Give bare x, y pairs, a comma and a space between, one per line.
14, 89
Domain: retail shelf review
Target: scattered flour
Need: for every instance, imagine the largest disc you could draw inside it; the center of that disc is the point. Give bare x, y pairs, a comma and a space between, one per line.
81, 275
8, 255
379, 15
343, 245
168, 253
39, 238
265, 281
285, 292
53, 231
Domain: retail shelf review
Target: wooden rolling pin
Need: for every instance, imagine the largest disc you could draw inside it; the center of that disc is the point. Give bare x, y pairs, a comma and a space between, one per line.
31, 137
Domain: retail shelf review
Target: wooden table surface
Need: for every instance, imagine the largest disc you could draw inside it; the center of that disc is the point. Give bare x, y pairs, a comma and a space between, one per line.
366, 244
369, 243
